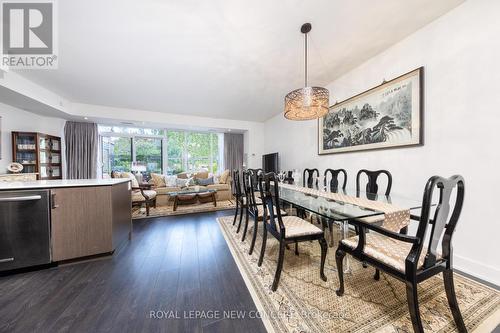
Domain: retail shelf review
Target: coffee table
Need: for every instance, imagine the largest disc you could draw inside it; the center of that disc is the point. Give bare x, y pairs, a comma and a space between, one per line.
193, 197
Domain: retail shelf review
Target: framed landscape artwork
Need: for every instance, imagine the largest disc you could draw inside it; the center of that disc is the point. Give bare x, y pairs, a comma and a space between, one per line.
387, 116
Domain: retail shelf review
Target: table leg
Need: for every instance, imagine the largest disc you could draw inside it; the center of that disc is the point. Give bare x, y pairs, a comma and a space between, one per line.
330, 224
345, 234
175, 203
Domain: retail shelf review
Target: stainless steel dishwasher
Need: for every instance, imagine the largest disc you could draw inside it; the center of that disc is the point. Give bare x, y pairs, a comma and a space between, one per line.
24, 229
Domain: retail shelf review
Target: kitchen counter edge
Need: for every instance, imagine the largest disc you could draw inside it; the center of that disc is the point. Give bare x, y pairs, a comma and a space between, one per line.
45, 184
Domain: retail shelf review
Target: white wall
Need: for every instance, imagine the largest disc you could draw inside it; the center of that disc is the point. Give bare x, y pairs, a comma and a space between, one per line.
461, 55
14, 119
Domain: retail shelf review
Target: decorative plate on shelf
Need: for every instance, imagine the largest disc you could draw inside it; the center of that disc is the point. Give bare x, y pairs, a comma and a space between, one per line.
15, 167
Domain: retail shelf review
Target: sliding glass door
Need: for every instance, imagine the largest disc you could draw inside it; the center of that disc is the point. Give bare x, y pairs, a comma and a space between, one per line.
175, 152
159, 151
148, 152
116, 154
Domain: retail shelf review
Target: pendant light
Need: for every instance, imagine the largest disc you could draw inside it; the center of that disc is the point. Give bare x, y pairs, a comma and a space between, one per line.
309, 102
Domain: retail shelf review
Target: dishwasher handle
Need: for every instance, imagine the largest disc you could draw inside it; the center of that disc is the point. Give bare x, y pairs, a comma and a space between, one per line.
20, 199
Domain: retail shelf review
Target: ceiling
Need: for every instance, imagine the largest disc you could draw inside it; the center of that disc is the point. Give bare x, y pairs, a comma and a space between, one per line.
220, 58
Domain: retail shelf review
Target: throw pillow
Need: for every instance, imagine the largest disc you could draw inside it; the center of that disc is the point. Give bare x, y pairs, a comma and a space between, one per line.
205, 182
182, 175
180, 182
158, 180
223, 177
201, 175
171, 181
131, 176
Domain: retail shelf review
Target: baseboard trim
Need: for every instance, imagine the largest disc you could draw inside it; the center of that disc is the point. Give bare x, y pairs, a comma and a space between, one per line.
477, 270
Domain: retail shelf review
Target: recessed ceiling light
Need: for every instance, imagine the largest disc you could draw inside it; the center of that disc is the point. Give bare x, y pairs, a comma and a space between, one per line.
229, 130
86, 118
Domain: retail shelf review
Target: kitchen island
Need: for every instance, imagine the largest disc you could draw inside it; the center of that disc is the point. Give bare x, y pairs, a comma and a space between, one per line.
62, 219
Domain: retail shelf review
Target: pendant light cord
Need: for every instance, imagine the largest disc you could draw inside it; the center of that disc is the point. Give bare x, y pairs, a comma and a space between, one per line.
305, 60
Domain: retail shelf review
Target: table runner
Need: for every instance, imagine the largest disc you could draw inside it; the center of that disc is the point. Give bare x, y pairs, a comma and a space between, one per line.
395, 218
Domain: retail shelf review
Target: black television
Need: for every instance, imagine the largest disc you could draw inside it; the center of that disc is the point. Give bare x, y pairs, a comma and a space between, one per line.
270, 163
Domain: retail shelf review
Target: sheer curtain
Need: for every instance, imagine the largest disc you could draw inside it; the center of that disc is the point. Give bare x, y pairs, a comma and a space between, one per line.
233, 151
81, 140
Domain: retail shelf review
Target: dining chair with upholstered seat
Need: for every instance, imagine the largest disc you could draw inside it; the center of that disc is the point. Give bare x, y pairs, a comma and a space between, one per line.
255, 207
371, 191
331, 183
371, 186
310, 178
255, 173
239, 197
286, 229
412, 259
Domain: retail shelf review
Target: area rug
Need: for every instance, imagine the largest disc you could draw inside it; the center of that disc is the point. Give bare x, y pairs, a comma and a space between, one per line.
305, 303
168, 210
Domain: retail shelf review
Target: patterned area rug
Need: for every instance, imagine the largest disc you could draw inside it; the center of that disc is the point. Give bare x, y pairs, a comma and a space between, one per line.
168, 210
305, 303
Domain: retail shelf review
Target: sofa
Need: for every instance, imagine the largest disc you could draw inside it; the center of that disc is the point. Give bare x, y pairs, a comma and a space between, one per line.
162, 185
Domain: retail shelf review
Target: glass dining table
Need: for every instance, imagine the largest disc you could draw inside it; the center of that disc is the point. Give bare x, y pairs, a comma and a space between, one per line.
340, 212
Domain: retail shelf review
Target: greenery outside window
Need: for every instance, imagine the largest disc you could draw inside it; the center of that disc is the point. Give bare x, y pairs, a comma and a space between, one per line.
116, 154
159, 150
148, 152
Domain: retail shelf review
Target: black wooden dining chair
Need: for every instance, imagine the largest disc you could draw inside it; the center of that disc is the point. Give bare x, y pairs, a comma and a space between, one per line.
410, 258
286, 229
255, 173
372, 189
371, 192
331, 183
255, 208
239, 197
371, 186
252, 202
308, 178
288, 177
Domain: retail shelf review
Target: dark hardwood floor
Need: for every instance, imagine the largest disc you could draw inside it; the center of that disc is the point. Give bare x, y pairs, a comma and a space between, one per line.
173, 264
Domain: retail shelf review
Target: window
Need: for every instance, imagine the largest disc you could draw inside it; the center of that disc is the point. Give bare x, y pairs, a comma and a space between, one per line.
159, 150
148, 152
116, 154
202, 153
175, 152
191, 151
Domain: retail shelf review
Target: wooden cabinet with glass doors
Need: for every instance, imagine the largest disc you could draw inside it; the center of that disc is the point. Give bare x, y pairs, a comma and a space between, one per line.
38, 153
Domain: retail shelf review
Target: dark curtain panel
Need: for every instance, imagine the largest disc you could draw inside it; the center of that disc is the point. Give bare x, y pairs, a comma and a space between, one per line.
233, 151
81, 140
